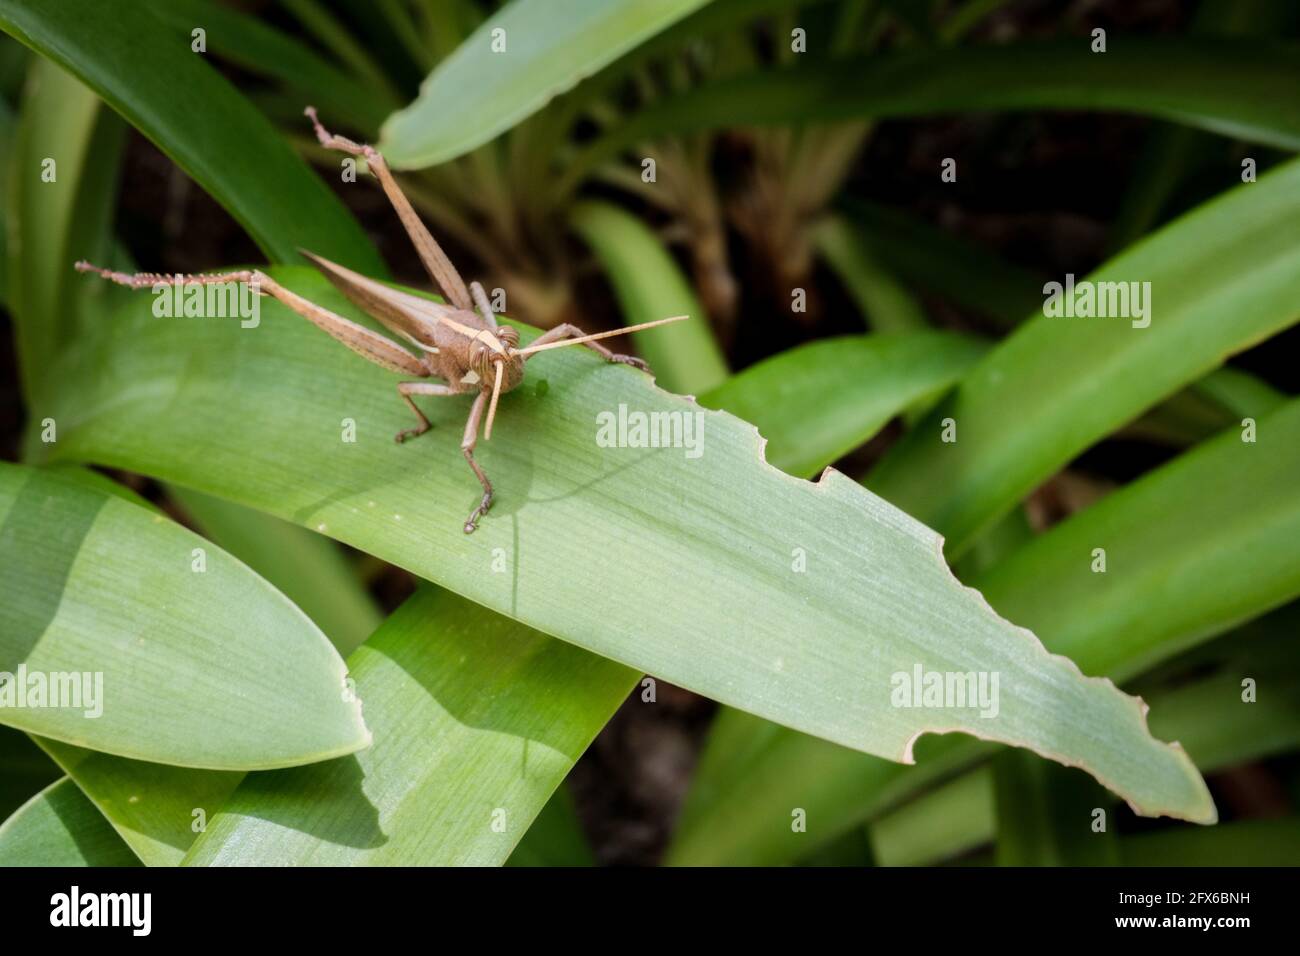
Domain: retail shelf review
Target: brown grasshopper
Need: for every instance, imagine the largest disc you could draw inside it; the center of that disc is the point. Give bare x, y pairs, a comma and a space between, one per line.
465, 348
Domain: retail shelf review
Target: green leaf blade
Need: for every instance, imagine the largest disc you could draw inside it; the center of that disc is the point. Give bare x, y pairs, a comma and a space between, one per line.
630, 553
1222, 278
549, 46
60, 827
211, 669
684, 356
1228, 85
157, 810
1176, 544
1183, 580
857, 384
147, 73
476, 722
307, 568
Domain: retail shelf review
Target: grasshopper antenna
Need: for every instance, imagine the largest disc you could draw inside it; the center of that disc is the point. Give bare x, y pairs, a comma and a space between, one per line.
598, 335
492, 408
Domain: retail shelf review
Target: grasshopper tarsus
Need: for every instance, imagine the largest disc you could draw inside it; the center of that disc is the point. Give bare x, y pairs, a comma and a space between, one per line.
631, 360
484, 505
407, 433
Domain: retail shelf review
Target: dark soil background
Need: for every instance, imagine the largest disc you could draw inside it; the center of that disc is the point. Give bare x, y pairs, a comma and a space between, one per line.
1038, 189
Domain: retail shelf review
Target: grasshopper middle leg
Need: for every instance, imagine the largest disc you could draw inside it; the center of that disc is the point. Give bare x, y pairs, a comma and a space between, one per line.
406, 390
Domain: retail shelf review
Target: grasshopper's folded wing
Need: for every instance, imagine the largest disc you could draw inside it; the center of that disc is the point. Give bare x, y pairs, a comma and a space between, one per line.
408, 315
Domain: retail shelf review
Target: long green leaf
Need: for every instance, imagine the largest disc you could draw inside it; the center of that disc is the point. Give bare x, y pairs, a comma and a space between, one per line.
855, 385
1174, 545
933, 260
1175, 542
263, 50
1240, 394
1228, 85
155, 809
55, 155
150, 805
335, 36
632, 553
685, 357
60, 827
1045, 815
476, 722
555, 838
1208, 716
968, 275
938, 825
482, 90
436, 724
1163, 162
887, 306
1222, 278
213, 669
174, 97
306, 568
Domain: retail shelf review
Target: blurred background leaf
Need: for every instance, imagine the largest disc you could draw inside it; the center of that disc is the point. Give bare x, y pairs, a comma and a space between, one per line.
129, 57
523, 55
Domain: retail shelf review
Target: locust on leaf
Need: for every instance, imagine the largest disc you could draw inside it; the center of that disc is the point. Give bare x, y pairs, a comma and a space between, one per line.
460, 343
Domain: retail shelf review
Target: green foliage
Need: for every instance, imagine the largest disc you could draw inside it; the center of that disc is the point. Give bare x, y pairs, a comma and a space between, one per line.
457, 694
60, 827
1234, 87
156, 627
132, 59
551, 45
260, 707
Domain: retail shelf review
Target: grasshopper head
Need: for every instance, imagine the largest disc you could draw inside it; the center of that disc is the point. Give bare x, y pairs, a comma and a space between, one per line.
500, 366
498, 347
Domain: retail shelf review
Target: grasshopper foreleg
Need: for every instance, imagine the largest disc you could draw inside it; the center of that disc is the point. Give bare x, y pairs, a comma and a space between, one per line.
567, 331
